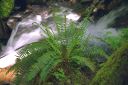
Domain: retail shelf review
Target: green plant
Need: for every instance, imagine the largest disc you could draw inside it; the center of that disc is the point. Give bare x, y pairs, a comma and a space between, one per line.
114, 71
57, 58
115, 41
6, 7
124, 34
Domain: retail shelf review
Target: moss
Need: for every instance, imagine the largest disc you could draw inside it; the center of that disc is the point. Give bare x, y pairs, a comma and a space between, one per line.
6, 7
114, 71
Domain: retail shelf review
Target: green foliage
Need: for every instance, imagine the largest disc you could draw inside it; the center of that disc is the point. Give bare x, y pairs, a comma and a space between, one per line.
114, 71
58, 58
6, 7
124, 34
115, 41
60, 75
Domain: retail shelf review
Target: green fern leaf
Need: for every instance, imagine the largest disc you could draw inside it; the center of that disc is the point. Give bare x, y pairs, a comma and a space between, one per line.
85, 62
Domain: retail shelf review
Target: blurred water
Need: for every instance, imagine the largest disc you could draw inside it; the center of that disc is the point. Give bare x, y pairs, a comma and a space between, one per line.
26, 32
103, 25
23, 34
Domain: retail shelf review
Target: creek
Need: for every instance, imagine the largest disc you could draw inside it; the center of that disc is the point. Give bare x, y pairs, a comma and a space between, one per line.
25, 32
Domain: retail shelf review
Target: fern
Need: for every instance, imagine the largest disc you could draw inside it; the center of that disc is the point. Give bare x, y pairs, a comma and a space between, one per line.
85, 62
115, 41
39, 61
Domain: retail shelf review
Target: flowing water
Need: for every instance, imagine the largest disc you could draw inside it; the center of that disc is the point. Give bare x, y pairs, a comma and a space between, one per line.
103, 25
25, 33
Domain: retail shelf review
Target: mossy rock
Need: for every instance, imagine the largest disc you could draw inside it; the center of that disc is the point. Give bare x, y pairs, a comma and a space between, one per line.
115, 70
6, 7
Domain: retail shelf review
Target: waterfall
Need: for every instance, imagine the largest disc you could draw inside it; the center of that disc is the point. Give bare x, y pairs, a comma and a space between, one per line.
11, 39
24, 33
103, 25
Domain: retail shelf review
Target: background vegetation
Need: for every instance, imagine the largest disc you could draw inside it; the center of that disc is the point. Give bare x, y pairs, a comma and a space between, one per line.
68, 58
5, 7
114, 71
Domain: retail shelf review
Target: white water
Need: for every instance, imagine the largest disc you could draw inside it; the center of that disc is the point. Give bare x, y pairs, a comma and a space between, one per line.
23, 34
26, 33
101, 27
73, 17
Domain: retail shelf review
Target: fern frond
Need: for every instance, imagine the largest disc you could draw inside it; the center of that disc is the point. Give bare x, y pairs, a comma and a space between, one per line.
38, 61
84, 62
43, 65
50, 65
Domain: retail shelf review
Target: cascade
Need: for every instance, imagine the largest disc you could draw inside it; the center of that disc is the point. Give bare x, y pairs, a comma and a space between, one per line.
24, 33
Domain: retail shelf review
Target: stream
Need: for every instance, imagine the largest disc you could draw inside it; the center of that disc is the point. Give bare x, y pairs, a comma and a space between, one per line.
25, 32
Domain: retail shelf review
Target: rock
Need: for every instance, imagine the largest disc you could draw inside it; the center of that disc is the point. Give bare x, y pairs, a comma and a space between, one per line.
121, 22
6, 78
31, 10
4, 83
12, 21
20, 4
4, 31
